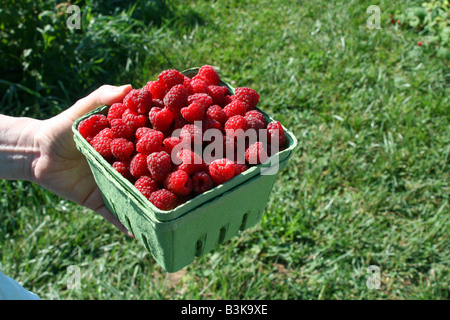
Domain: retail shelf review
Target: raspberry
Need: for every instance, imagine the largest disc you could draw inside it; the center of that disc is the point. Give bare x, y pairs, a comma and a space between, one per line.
123, 167
204, 99
138, 166
102, 143
115, 111
235, 108
239, 168
161, 119
218, 94
274, 129
159, 164
226, 100
210, 75
179, 182
120, 129
211, 124
216, 112
201, 182
150, 142
138, 100
92, 125
199, 85
142, 131
146, 185
233, 124
157, 89
190, 161
221, 170
256, 114
122, 148
191, 134
194, 112
134, 120
254, 123
176, 98
171, 78
187, 85
170, 143
163, 199
256, 154
247, 95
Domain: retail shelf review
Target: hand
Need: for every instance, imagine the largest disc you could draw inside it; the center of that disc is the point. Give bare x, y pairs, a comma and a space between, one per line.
60, 167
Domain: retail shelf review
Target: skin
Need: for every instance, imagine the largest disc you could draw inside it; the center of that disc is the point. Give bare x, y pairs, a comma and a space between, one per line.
44, 152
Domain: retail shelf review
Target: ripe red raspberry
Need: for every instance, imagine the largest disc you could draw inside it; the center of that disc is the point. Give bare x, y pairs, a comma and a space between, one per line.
211, 124
92, 125
146, 185
122, 148
138, 166
234, 125
194, 112
254, 124
190, 161
123, 167
247, 95
218, 94
179, 182
161, 119
235, 108
138, 100
199, 85
191, 134
226, 100
202, 182
256, 154
187, 85
274, 129
256, 114
170, 143
160, 165
210, 75
120, 129
157, 89
216, 112
134, 120
163, 199
204, 99
116, 110
176, 98
221, 170
150, 142
239, 168
171, 78
102, 143
142, 131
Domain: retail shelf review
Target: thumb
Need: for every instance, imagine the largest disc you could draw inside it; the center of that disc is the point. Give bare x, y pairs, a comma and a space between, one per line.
105, 95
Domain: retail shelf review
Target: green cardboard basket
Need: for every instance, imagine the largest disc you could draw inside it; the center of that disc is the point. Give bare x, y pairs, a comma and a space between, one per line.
176, 237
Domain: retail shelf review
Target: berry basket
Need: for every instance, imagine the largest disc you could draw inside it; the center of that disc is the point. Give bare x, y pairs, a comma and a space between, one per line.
198, 226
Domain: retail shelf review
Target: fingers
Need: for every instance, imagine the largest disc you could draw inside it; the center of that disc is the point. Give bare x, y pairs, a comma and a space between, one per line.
105, 213
105, 95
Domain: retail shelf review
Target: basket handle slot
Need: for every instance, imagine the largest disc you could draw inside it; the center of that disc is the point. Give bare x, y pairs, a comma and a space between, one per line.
244, 222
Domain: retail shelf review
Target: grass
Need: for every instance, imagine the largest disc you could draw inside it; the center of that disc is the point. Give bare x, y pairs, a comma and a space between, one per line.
368, 184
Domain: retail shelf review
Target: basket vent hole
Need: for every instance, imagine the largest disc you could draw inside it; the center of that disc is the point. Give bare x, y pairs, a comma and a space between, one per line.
145, 241
199, 247
244, 221
222, 233
128, 226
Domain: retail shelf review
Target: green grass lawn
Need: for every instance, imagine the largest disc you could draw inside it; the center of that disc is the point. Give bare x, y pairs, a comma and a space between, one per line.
367, 185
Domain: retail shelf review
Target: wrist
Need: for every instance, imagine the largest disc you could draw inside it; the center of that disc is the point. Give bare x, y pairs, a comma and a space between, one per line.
18, 147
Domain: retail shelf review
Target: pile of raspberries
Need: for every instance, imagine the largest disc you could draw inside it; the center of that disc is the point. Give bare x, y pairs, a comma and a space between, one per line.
153, 136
